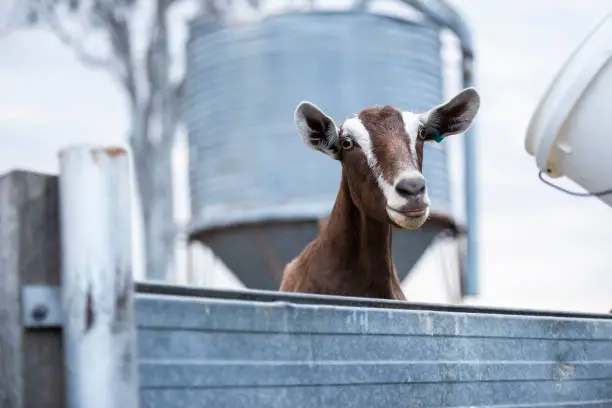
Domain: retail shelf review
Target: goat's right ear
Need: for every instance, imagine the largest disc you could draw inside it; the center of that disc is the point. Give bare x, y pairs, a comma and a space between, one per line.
454, 116
318, 130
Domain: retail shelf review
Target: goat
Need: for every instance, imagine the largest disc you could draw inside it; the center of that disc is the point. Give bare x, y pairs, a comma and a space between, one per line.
381, 154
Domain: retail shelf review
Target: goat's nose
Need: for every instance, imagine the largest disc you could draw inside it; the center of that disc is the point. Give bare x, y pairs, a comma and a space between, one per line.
410, 187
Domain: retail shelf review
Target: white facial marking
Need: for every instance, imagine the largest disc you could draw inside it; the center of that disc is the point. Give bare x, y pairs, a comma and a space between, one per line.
412, 122
411, 125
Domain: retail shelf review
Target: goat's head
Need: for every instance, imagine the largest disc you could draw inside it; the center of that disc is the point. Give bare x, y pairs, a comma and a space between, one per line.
381, 151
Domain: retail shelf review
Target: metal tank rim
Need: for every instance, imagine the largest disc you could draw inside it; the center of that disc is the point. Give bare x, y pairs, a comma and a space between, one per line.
200, 21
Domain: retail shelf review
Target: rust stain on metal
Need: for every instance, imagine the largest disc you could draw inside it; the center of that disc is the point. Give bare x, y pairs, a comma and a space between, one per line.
109, 151
122, 298
126, 363
115, 151
89, 312
122, 279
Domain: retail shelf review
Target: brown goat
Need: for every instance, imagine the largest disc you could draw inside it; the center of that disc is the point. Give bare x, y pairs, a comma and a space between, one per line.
381, 154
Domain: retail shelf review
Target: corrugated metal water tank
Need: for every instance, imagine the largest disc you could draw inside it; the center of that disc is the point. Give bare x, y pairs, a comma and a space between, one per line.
252, 179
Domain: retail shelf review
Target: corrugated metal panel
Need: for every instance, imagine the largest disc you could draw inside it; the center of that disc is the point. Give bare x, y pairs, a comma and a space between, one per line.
246, 160
238, 353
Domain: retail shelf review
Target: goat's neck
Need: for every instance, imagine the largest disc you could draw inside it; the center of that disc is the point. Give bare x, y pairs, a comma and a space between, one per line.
359, 245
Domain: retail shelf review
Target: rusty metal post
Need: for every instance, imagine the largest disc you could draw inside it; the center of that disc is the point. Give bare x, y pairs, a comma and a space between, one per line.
97, 289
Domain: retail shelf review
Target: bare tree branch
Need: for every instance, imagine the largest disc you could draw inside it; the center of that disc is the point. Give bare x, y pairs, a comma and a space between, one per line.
47, 14
150, 68
108, 63
120, 37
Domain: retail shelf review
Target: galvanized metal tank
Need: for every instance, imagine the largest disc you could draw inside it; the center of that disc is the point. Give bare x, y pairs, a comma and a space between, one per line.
256, 190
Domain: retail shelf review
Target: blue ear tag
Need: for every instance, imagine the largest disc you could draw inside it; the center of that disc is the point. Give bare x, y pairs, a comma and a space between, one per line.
438, 138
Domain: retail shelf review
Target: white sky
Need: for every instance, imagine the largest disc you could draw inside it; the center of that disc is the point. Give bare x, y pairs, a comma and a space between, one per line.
539, 247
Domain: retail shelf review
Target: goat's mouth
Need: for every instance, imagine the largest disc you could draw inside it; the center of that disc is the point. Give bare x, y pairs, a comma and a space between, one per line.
411, 213
408, 218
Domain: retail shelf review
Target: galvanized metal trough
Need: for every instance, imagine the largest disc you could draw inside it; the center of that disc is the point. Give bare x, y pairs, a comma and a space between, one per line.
98, 340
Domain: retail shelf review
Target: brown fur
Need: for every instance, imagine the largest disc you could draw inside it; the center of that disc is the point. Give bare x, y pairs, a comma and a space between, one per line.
352, 254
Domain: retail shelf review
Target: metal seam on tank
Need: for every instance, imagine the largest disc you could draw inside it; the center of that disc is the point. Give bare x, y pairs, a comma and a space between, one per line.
200, 59
427, 91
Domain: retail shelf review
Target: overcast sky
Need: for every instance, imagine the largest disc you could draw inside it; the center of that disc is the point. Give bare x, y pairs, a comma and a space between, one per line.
539, 247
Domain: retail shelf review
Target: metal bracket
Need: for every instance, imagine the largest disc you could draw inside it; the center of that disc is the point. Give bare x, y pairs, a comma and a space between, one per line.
41, 306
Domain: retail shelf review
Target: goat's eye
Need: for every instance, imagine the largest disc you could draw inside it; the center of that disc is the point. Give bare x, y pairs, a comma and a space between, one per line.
347, 143
422, 134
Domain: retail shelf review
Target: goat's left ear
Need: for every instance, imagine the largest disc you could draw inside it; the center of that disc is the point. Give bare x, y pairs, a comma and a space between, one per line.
318, 130
454, 116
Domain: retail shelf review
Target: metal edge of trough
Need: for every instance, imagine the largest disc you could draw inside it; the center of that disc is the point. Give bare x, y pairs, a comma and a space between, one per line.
149, 288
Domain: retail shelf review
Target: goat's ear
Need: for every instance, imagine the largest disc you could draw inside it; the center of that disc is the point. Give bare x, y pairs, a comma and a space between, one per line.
453, 116
318, 130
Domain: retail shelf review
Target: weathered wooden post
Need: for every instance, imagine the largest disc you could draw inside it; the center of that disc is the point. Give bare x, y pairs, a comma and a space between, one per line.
97, 289
31, 356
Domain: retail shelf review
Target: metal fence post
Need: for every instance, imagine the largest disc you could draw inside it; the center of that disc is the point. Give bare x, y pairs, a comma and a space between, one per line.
97, 288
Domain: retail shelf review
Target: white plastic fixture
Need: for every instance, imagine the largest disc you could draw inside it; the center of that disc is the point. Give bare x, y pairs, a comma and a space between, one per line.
570, 132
